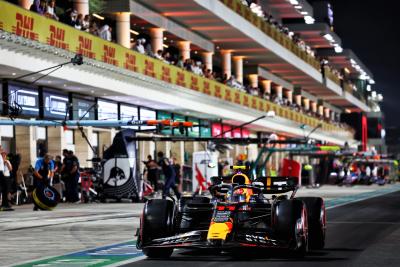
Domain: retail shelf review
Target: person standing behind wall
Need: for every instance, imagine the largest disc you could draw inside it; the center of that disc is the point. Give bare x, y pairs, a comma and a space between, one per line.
152, 172
44, 168
169, 174
70, 174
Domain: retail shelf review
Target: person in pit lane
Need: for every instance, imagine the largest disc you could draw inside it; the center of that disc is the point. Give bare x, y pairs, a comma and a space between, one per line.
44, 170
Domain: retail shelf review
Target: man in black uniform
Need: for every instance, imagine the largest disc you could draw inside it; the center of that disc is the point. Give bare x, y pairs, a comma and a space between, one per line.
169, 174
70, 172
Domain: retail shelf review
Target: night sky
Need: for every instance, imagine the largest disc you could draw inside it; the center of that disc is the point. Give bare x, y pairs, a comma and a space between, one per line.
372, 30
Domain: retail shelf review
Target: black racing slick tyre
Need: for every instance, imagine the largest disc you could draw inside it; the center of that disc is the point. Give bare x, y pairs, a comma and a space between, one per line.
45, 197
289, 221
316, 221
157, 221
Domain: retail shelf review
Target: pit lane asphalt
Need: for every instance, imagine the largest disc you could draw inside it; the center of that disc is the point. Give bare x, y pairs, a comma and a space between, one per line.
365, 233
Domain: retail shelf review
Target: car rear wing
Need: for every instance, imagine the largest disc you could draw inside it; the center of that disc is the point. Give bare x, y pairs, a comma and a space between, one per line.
279, 184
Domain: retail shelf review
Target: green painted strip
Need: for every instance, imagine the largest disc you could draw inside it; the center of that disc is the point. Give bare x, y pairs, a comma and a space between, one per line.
98, 257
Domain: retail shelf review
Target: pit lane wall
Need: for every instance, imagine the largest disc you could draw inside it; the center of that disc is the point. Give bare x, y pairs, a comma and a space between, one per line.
21, 22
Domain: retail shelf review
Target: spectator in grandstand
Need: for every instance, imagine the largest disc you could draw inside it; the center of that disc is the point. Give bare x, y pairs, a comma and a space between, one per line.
50, 10
188, 64
105, 33
94, 29
159, 54
86, 23
70, 17
208, 74
166, 56
224, 78
39, 6
196, 68
140, 45
180, 63
79, 22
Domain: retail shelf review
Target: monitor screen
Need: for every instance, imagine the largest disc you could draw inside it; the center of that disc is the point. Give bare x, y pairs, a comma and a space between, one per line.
26, 98
81, 108
55, 105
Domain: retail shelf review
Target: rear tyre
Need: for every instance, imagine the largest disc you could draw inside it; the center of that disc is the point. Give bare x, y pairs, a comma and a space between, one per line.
316, 221
156, 222
289, 221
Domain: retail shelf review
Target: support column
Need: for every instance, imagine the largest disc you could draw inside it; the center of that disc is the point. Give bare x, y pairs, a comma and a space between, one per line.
253, 79
25, 3
289, 95
297, 100
226, 63
82, 149
306, 103
332, 115
105, 140
321, 110
157, 39
238, 63
82, 6
184, 49
279, 90
314, 107
266, 86
208, 60
25, 138
56, 140
123, 29
327, 112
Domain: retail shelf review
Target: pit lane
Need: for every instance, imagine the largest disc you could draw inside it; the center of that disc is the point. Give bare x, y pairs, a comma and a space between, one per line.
365, 233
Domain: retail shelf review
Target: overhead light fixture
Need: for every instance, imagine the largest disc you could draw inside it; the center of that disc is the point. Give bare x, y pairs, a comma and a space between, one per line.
369, 88
165, 38
134, 32
371, 81
98, 16
13, 74
165, 46
294, 2
304, 12
328, 37
309, 20
298, 7
338, 49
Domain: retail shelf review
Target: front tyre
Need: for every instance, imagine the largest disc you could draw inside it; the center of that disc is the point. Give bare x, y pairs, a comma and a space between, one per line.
316, 221
289, 221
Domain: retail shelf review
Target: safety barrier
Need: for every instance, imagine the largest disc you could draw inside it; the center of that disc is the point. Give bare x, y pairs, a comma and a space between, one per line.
32, 26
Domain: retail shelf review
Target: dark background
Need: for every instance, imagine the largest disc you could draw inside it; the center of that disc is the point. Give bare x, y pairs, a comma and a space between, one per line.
372, 30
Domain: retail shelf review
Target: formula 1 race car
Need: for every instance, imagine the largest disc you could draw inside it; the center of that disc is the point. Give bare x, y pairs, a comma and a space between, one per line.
238, 214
